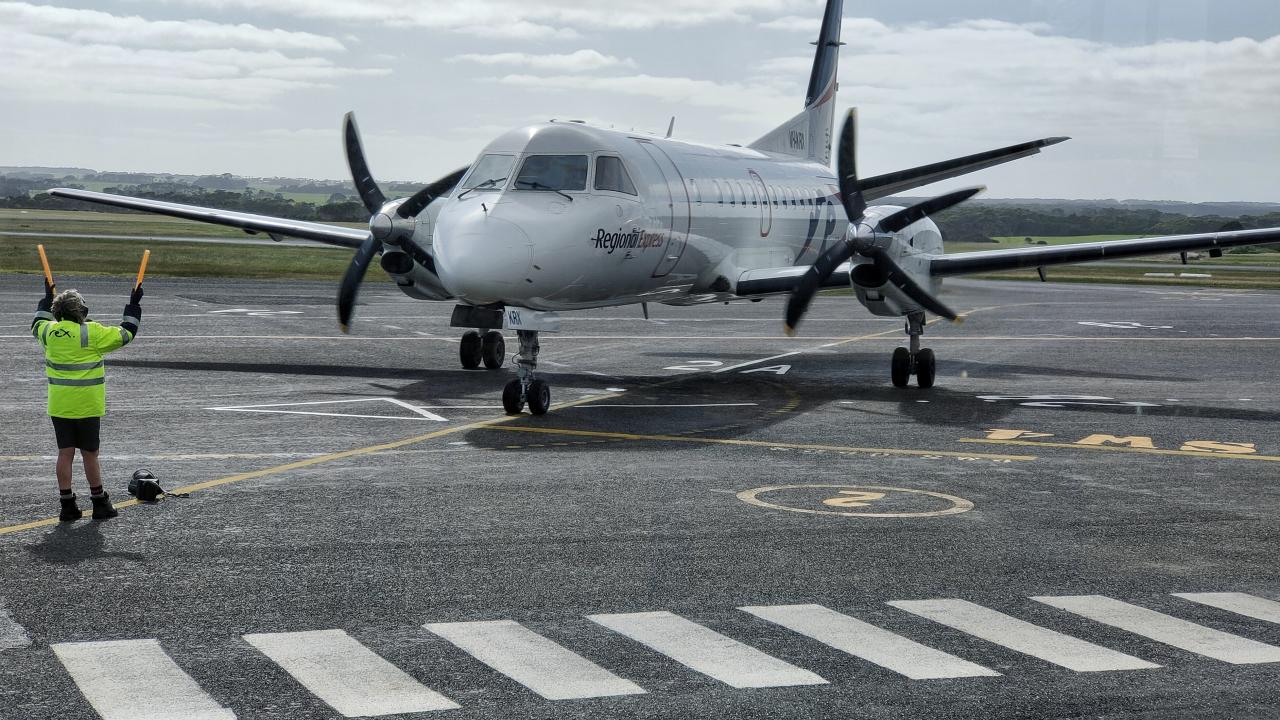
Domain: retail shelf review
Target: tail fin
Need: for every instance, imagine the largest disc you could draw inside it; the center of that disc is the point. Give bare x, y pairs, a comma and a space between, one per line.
808, 135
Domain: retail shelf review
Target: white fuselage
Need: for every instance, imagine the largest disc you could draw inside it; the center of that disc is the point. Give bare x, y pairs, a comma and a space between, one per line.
699, 217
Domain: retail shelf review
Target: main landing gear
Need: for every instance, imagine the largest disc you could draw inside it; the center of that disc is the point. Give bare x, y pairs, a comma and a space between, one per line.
489, 349
526, 388
916, 361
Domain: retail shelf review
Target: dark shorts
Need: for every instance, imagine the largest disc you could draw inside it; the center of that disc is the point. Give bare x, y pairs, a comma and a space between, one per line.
79, 433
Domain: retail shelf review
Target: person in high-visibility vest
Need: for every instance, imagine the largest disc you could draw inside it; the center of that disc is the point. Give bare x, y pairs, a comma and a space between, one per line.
73, 349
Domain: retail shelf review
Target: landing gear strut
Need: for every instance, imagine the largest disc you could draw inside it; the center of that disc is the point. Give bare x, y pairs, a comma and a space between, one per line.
489, 349
526, 388
915, 361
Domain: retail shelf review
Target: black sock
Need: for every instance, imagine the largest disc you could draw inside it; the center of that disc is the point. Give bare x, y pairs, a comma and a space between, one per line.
96, 491
66, 495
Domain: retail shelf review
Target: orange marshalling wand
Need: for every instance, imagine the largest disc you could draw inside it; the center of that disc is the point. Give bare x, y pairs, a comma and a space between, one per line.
44, 261
142, 269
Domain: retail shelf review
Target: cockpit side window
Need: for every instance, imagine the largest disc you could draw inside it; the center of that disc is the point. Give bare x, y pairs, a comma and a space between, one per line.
553, 172
612, 175
489, 173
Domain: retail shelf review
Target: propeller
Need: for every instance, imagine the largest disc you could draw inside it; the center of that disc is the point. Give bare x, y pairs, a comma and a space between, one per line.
873, 243
387, 225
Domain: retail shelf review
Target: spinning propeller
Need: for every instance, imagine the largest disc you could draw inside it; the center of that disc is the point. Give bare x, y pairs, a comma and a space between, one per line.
873, 243
391, 223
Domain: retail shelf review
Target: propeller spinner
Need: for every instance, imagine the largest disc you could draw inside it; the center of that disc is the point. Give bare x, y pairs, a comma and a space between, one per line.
871, 243
390, 223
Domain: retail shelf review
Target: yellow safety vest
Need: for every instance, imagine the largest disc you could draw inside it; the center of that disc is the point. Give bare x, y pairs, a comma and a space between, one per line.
73, 363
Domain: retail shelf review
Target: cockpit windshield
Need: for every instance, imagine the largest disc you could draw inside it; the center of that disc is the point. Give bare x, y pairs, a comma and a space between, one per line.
553, 172
490, 173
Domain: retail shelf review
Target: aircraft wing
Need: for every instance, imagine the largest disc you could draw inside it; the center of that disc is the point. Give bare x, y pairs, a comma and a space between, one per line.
780, 280
1014, 258
882, 186
319, 232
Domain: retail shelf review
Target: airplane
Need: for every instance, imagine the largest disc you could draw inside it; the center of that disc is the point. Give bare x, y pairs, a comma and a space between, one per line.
563, 216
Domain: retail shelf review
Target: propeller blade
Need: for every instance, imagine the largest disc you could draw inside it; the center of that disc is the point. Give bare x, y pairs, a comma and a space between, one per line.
809, 283
421, 199
847, 168
919, 211
350, 286
901, 279
366, 186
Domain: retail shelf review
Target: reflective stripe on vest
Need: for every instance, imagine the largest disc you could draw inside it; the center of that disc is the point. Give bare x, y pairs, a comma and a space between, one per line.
44, 315
78, 383
72, 367
84, 335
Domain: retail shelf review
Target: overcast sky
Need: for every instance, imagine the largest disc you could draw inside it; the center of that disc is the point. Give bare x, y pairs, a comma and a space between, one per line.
1166, 99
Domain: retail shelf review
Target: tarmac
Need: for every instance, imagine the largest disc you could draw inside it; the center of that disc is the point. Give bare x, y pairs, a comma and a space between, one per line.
714, 521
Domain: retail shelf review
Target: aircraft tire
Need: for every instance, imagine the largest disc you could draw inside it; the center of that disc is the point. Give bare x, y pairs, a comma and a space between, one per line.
926, 368
469, 350
901, 368
539, 397
511, 400
493, 349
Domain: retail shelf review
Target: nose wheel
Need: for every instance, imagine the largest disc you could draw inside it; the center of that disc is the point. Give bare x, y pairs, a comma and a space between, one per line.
489, 349
525, 388
914, 361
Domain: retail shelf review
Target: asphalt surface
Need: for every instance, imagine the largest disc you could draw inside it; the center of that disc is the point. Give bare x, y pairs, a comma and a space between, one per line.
1081, 441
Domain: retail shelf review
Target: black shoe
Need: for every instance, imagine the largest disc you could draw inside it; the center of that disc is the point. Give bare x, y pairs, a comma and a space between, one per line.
70, 511
102, 509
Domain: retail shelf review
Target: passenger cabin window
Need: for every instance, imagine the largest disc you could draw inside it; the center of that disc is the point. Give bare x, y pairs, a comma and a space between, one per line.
553, 172
611, 175
490, 173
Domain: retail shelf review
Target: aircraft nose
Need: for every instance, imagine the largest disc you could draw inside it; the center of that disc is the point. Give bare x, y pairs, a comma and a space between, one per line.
482, 259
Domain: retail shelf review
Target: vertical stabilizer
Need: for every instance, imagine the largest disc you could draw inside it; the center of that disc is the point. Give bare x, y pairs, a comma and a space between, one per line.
808, 135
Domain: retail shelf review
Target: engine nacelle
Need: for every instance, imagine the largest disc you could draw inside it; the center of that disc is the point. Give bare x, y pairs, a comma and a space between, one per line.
412, 277
876, 294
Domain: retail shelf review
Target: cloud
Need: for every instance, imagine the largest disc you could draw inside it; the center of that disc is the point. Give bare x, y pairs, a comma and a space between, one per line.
94, 27
521, 18
579, 61
673, 90
85, 56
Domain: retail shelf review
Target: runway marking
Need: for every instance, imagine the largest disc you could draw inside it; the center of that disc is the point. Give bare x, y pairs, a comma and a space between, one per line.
859, 499
420, 413
12, 635
539, 664
1125, 449
136, 680
686, 405
707, 651
1020, 636
745, 443
1238, 603
873, 644
348, 676
309, 462
1167, 629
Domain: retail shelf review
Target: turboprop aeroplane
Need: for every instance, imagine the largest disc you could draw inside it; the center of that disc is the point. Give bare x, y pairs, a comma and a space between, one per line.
565, 216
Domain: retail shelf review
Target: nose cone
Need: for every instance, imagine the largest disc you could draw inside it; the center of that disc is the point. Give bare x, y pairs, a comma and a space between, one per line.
480, 258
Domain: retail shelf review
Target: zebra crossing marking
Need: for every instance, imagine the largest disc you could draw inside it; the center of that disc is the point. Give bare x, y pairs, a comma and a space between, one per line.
1238, 603
1166, 629
871, 643
1024, 637
348, 676
707, 651
165, 692
543, 666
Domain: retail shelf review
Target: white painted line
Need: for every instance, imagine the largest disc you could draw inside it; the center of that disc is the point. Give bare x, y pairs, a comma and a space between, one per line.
1238, 603
996, 627
136, 680
873, 644
1167, 629
348, 676
762, 360
692, 405
539, 664
706, 650
319, 414
12, 635
424, 413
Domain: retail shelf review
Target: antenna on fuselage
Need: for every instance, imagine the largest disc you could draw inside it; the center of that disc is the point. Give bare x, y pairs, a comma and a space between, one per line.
671, 126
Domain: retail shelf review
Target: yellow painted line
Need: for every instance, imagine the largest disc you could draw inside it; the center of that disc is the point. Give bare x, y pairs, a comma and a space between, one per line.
319, 460
745, 443
1118, 448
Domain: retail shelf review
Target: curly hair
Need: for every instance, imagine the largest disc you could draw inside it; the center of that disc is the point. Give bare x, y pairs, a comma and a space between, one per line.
69, 305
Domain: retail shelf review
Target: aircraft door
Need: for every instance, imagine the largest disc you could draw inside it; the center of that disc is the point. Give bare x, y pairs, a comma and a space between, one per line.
766, 209
675, 217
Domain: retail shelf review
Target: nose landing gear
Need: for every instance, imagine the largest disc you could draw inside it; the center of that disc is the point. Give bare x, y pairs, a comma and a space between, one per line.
915, 361
526, 388
489, 349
